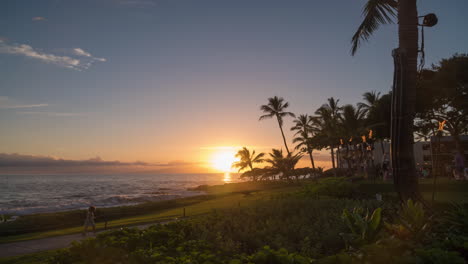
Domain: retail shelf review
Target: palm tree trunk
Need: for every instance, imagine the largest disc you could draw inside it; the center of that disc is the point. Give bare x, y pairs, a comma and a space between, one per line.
282, 134
404, 170
333, 156
311, 159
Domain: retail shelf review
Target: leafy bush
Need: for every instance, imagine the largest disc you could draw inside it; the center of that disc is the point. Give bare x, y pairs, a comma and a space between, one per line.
412, 222
334, 187
307, 227
266, 255
364, 227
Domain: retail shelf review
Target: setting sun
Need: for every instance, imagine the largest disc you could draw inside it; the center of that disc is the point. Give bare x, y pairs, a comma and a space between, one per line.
222, 160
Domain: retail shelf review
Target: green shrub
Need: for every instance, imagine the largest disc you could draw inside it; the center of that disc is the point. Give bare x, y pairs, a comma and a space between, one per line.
412, 223
296, 229
334, 187
364, 227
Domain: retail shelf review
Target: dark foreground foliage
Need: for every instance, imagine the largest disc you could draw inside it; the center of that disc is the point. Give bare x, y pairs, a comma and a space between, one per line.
315, 225
265, 233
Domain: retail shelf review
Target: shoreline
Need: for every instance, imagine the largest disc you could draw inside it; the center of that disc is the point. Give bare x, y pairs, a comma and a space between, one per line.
43, 222
19, 199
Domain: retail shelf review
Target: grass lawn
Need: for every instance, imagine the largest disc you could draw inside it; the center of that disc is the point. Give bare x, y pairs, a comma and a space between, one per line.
229, 196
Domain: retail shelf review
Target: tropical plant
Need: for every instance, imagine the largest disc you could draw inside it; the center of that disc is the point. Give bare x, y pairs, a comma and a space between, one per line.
444, 96
371, 101
276, 108
376, 13
280, 165
326, 120
363, 226
247, 160
304, 125
412, 223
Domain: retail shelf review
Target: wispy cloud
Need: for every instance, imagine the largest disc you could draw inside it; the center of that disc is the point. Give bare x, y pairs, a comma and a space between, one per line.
57, 114
63, 61
81, 52
19, 160
7, 103
39, 18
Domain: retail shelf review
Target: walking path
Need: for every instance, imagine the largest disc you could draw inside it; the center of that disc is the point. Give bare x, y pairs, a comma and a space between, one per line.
50, 243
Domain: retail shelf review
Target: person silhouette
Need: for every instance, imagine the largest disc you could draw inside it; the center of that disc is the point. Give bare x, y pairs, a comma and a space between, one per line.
89, 221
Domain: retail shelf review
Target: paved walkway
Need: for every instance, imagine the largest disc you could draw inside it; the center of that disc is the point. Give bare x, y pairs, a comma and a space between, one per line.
50, 243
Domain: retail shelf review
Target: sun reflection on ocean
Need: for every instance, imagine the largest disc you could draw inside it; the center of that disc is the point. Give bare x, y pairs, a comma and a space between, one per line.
227, 177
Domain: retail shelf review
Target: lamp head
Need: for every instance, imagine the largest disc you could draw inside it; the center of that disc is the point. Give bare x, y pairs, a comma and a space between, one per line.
430, 20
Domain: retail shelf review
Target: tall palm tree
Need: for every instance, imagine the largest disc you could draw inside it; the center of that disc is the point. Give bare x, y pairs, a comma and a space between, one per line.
247, 160
376, 13
275, 108
351, 126
327, 119
304, 125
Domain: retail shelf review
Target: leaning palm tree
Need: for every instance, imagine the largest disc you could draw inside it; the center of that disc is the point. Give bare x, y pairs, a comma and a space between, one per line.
247, 160
376, 13
275, 108
305, 126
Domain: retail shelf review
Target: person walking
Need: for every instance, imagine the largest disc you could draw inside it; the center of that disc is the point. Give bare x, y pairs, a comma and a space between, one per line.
89, 221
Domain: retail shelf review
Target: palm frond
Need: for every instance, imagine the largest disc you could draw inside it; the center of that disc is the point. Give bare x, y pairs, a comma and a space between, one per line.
266, 116
375, 13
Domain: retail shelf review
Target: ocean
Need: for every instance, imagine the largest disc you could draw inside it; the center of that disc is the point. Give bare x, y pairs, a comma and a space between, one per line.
28, 194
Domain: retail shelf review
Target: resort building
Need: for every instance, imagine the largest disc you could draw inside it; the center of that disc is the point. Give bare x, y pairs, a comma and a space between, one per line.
438, 153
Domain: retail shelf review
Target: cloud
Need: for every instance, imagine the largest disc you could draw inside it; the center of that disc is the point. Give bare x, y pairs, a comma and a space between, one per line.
63, 61
19, 160
7, 103
39, 18
36, 164
58, 114
81, 52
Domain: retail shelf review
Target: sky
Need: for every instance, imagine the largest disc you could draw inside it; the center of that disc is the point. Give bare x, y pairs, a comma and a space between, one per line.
174, 81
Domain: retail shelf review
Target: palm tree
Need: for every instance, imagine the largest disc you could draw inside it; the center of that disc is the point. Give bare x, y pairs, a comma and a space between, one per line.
275, 108
352, 121
282, 165
376, 13
351, 126
327, 120
247, 160
304, 124
379, 119
371, 100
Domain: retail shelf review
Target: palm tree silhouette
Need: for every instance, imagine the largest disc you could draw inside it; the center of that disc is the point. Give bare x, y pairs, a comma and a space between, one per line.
275, 108
247, 160
304, 124
282, 165
371, 100
351, 126
327, 120
376, 13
